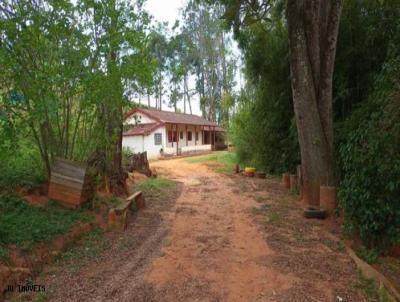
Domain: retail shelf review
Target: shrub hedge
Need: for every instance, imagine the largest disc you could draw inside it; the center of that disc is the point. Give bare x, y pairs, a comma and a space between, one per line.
369, 157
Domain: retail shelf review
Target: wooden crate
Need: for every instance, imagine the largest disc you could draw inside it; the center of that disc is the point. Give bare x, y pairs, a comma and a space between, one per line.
67, 182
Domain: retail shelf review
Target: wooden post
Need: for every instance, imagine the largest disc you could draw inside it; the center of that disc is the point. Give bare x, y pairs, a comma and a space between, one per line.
202, 135
171, 126
186, 136
177, 138
213, 136
195, 135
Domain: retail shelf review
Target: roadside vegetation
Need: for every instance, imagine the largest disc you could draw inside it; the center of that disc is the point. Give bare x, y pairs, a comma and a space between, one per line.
92, 245
373, 292
226, 161
366, 114
155, 188
24, 225
20, 168
155, 184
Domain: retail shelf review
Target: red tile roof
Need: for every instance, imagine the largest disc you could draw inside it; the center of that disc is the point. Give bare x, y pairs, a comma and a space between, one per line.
163, 117
174, 117
142, 129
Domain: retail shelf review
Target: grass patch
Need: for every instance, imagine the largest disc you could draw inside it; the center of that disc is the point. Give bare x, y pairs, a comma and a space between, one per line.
92, 245
24, 225
373, 293
112, 201
155, 184
370, 256
227, 159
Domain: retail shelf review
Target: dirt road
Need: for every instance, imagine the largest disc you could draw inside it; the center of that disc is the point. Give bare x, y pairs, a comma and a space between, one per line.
226, 238
213, 240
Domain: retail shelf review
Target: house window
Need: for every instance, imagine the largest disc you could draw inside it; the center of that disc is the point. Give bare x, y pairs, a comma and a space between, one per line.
171, 136
189, 134
157, 139
181, 135
197, 136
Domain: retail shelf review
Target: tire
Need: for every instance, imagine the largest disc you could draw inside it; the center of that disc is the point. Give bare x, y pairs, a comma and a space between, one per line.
314, 213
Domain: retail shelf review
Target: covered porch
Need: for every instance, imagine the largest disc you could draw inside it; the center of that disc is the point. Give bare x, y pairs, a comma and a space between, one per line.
189, 139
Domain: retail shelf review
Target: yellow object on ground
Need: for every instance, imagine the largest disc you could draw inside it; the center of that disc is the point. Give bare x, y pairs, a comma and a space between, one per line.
249, 170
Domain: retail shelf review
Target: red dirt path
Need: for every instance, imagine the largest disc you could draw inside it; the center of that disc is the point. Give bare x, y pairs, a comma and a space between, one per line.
226, 238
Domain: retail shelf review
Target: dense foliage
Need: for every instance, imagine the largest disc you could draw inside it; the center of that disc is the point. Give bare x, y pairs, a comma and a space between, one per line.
67, 71
366, 114
263, 129
23, 224
368, 121
370, 162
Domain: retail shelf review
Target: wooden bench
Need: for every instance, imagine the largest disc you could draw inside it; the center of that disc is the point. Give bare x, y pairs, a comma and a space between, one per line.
117, 217
138, 198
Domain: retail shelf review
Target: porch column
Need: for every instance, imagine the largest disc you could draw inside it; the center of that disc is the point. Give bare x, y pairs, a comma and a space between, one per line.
171, 128
213, 143
186, 136
195, 135
177, 138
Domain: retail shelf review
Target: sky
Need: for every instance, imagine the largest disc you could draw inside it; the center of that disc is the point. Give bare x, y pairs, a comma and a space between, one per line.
164, 10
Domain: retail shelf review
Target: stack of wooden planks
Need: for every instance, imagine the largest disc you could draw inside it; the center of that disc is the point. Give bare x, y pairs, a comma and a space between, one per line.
67, 182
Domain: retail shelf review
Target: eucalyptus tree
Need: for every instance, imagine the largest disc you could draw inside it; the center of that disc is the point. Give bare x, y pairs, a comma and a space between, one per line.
187, 63
212, 63
159, 52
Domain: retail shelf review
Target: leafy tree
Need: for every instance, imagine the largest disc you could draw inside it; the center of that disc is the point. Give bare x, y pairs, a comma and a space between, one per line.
369, 36
263, 129
312, 34
40, 53
159, 51
68, 71
212, 62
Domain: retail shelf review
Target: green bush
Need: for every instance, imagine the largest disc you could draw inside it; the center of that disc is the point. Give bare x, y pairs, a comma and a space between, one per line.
369, 156
20, 166
126, 154
23, 224
263, 129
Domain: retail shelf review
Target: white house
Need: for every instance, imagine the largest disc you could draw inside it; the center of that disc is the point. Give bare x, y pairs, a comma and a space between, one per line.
164, 133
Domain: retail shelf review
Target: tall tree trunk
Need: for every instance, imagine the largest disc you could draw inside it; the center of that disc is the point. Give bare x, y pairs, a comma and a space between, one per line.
186, 91
112, 113
184, 95
313, 30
